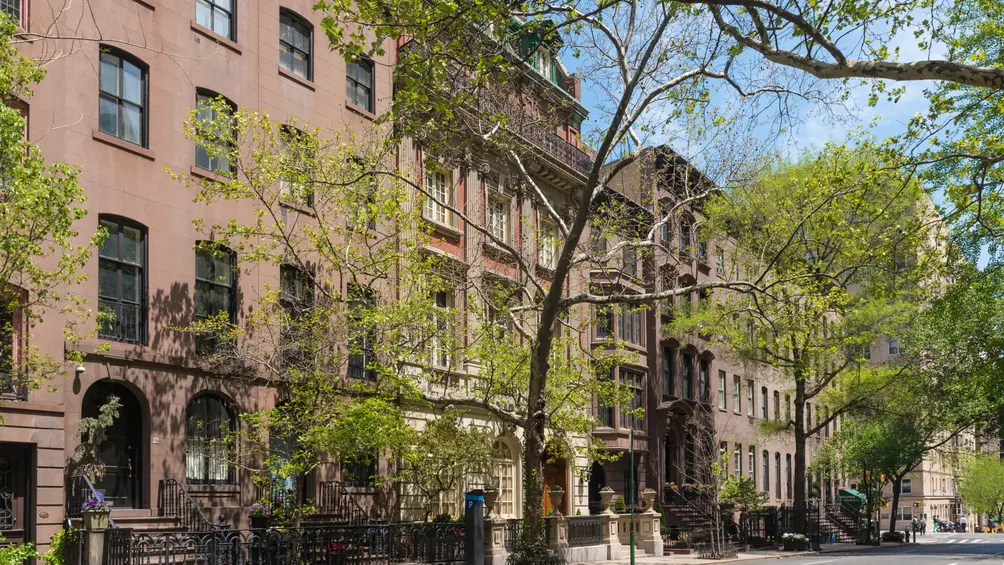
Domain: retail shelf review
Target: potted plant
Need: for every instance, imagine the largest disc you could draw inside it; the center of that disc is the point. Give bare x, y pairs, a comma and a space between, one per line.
647, 498
95, 512
606, 497
260, 513
491, 497
556, 493
336, 553
620, 506
796, 542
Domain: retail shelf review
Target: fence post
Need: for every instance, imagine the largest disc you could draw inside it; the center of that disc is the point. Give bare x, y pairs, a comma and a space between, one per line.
611, 539
557, 532
494, 541
95, 547
650, 538
474, 528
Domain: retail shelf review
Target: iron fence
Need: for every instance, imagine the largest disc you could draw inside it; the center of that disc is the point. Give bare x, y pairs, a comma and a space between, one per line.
382, 544
74, 547
585, 530
513, 534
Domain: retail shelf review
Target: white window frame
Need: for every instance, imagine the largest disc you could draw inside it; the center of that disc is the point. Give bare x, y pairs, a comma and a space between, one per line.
722, 379
901, 513
906, 486
750, 398
542, 62
547, 245
440, 358
894, 348
497, 216
752, 463
440, 185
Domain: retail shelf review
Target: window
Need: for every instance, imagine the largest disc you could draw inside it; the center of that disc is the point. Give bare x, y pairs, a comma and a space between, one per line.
629, 258
297, 164
826, 422
669, 371
906, 487
688, 368
604, 322
666, 231
122, 96
440, 349
866, 352
737, 394
894, 347
777, 475
217, 15
542, 62
702, 250
766, 471
630, 326
296, 291
597, 242
359, 84
362, 337
13, 9
547, 246
763, 403
904, 513
209, 427
787, 408
218, 123
605, 414
214, 289
787, 475
295, 42
752, 464
777, 406
359, 472
720, 262
684, 238
497, 214
635, 382
808, 415
437, 183
721, 390
703, 377
737, 461
122, 282
12, 330
504, 477
749, 398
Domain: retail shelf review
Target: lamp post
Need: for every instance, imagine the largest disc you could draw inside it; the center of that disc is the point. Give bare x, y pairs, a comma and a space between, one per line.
632, 491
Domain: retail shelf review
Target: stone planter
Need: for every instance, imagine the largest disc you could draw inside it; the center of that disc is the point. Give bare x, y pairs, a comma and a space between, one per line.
491, 497
259, 522
95, 520
556, 496
647, 498
606, 498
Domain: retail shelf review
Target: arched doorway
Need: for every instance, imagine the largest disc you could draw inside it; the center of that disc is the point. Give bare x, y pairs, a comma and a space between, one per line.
597, 480
121, 452
556, 473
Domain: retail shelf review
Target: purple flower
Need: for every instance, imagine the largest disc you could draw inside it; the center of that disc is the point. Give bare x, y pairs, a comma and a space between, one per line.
258, 510
94, 503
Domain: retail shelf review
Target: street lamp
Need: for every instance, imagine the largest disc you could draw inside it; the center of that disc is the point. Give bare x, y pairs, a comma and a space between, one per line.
632, 491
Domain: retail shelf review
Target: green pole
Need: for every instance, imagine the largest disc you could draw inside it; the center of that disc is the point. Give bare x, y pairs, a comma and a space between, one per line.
631, 481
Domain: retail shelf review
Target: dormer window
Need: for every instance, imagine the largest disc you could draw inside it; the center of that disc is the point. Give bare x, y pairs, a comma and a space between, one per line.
542, 62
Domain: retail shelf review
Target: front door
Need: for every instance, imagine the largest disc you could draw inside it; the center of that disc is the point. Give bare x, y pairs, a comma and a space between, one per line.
121, 451
14, 460
554, 474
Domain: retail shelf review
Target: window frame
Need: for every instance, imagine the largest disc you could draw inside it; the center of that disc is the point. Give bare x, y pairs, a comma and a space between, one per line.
547, 242
213, 164
292, 20
635, 380
118, 98
142, 266
766, 471
687, 375
722, 382
22, 13
752, 463
903, 486
231, 415
439, 356
437, 182
777, 475
631, 325
764, 404
750, 398
232, 287
288, 189
497, 211
358, 364
353, 85
896, 349
669, 371
737, 394
213, 6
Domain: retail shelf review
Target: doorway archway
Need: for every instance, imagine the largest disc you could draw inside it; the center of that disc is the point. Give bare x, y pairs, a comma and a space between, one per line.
597, 480
122, 451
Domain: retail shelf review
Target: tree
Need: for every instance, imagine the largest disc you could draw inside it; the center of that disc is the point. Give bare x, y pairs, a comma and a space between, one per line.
845, 237
982, 486
40, 254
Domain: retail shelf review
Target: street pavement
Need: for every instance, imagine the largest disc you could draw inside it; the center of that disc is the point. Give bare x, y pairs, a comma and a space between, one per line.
932, 549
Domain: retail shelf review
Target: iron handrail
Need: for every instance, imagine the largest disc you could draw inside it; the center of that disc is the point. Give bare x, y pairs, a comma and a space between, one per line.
173, 501
78, 489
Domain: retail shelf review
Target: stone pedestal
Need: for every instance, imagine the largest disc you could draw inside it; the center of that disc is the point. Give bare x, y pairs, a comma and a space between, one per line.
557, 532
610, 536
495, 552
648, 536
95, 547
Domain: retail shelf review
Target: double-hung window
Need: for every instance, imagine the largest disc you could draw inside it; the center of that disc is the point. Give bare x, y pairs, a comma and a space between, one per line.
359, 84
629, 259
777, 406
14, 9
296, 38
547, 246
630, 325
669, 371
752, 464
215, 120
298, 163
635, 382
688, 369
737, 394
721, 390
437, 183
440, 342
703, 376
749, 398
217, 15
497, 214
122, 281
214, 289
122, 96
362, 336
764, 409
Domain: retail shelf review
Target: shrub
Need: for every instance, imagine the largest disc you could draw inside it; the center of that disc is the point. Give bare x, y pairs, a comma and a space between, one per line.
619, 505
534, 553
442, 519
17, 554
57, 547
893, 536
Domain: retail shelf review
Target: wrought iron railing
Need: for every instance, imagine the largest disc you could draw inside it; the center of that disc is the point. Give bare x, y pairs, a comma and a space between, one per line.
513, 534
173, 501
334, 500
585, 530
338, 545
78, 489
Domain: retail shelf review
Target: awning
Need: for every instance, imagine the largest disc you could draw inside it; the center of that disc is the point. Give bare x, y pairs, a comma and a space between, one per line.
847, 492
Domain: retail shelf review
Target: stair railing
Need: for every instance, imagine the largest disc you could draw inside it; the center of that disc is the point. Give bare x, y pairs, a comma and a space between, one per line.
336, 501
173, 501
78, 489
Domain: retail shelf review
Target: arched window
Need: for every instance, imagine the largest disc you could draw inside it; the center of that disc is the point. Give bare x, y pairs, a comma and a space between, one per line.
122, 98
505, 479
216, 123
296, 38
209, 424
122, 280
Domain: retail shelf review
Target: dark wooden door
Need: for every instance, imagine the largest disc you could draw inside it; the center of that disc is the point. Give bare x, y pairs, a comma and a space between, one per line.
14, 493
121, 451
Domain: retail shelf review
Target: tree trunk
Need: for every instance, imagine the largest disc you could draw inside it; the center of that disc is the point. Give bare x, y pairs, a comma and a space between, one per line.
799, 502
533, 473
896, 484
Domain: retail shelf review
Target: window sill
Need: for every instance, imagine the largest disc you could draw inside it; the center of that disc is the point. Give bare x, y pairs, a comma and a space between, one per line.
149, 4
361, 111
443, 228
308, 84
496, 252
219, 39
103, 137
294, 205
197, 171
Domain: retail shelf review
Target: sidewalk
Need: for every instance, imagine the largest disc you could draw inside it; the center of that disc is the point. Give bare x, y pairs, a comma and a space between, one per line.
743, 556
